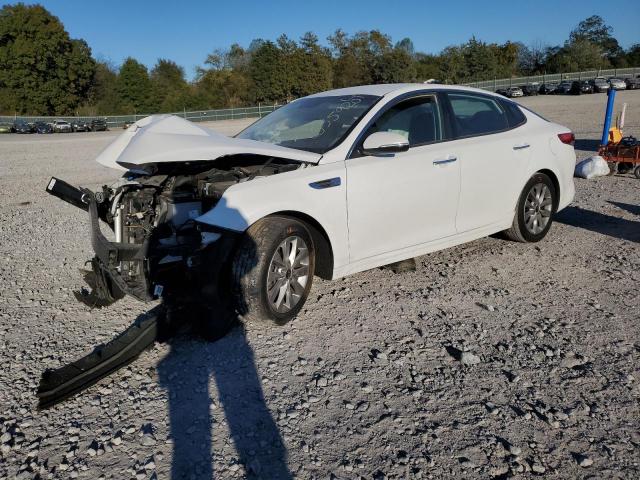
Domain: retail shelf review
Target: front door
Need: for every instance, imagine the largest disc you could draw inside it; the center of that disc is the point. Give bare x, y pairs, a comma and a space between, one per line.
395, 202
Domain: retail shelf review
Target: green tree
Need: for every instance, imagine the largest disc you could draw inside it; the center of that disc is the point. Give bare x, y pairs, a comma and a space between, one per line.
134, 87
532, 59
452, 65
406, 45
579, 54
633, 55
103, 99
395, 66
314, 72
170, 90
357, 59
593, 29
268, 74
428, 67
42, 70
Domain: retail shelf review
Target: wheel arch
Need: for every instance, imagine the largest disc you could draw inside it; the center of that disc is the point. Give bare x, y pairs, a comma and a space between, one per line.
321, 241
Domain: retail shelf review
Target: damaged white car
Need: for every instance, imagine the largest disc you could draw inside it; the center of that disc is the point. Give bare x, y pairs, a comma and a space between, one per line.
328, 185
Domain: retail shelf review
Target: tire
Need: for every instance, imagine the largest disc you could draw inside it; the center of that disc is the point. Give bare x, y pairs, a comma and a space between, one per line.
636, 172
264, 284
539, 200
625, 167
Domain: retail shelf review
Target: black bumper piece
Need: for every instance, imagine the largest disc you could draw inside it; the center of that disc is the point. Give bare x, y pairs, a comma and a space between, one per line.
61, 383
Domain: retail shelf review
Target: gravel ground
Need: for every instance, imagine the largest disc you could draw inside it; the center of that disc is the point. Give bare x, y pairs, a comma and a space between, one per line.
493, 359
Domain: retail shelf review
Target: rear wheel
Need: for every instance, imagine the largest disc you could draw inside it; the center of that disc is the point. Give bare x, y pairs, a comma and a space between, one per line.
272, 270
636, 172
625, 167
535, 209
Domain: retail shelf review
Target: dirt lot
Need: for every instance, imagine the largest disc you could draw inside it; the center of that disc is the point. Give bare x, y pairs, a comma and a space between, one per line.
363, 384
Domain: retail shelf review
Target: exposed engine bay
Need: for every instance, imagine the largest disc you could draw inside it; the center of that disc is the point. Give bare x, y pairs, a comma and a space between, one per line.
157, 243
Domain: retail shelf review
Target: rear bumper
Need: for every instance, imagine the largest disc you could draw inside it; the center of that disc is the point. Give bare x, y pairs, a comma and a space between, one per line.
566, 194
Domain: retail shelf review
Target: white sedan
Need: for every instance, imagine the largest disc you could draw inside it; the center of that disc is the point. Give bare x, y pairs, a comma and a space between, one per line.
62, 126
328, 185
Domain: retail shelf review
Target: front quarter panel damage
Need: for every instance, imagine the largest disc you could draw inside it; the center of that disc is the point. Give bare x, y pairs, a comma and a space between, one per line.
245, 203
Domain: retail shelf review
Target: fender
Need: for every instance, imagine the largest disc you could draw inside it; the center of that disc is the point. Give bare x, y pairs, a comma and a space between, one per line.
316, 191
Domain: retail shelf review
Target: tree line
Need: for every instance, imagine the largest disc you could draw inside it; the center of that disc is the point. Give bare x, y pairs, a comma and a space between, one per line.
45, 72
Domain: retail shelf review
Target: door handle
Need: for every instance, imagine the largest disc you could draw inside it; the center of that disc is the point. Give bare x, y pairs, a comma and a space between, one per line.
444, 161
521, 146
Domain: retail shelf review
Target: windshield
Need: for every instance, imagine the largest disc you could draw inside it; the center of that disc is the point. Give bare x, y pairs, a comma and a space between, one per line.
314, 124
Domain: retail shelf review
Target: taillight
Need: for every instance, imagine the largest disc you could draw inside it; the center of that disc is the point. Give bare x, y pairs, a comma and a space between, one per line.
567, 138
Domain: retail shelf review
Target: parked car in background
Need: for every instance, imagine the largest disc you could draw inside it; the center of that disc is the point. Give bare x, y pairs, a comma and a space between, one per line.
617, 83
21, 126
563, 88
43, 127
530, 90
513, 92
61, 126
98, 125
547, 88
632, 83
600, 85
579, 87
297, 194
80, 126
6, 127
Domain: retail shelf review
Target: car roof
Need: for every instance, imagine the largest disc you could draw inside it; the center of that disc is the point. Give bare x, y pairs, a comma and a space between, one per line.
395, 88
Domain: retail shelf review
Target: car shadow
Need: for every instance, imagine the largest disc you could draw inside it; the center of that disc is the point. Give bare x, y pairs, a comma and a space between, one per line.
600, 223
587, 144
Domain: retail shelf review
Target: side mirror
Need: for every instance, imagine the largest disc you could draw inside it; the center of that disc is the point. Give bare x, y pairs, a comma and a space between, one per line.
384, 143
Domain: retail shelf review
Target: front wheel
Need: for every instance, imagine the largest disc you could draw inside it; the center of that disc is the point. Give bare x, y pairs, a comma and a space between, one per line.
272, 270
535, 209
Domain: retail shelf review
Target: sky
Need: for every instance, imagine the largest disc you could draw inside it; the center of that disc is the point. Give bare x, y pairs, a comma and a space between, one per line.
186, 31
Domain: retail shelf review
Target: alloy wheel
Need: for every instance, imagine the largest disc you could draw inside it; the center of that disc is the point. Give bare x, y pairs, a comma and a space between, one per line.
288, 274
538, 208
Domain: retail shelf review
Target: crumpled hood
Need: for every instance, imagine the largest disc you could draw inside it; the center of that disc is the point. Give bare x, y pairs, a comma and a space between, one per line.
168, 138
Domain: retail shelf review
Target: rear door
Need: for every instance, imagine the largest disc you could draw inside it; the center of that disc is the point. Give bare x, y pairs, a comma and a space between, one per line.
493, 153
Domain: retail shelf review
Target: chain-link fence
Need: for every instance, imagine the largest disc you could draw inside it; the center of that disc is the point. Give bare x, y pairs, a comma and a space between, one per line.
118, 121
496, 84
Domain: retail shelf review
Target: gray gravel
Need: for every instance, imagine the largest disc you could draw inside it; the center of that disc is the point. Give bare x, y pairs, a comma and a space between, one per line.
382, 375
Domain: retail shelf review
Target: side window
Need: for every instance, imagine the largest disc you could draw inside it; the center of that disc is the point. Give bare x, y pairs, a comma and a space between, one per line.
515, 115
476, 115
416, 119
